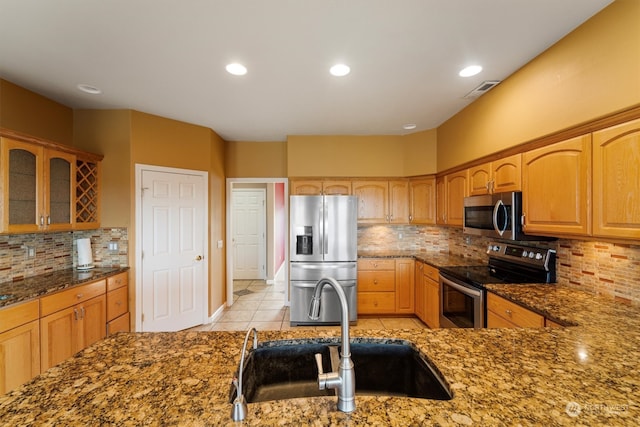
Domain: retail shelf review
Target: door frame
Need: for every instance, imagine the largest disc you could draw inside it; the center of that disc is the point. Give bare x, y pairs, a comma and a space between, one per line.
139, 167
262, 256
229, 235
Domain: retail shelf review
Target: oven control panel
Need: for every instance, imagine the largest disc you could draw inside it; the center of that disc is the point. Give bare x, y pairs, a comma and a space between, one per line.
523, 254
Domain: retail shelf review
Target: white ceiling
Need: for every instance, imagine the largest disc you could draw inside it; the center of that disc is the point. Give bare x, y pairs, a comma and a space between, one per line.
167, 57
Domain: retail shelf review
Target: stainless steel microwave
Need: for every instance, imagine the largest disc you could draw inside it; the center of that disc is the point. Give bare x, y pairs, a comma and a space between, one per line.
496, 215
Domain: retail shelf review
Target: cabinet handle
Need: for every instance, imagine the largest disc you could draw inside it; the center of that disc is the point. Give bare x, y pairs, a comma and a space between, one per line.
48, 220
41, 220
75, 313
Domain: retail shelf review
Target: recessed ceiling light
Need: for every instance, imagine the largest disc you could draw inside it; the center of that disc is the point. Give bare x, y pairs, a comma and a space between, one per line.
409, 126
340, 70
89, 89
469, 71
236, 69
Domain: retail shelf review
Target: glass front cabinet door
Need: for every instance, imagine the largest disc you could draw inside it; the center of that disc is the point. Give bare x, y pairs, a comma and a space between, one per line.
38, 184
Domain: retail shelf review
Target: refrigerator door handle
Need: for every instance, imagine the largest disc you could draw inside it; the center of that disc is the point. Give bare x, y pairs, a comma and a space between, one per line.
325, 265
325, 231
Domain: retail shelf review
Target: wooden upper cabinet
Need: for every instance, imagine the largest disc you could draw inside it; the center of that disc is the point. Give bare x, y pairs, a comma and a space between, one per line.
336, 188
455, 192
507, 174
616, 181
496, 177
557, 189
422, 200
480, 179
316, 188
398, 202
441, 205
59, 186
47, 186
22, 186
373, 200
306, 188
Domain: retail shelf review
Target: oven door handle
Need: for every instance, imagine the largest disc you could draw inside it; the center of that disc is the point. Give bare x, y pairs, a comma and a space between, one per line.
464, 289
500, 230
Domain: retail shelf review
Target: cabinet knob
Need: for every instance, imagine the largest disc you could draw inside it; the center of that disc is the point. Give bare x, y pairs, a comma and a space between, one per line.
79, 296
375, 281
509, 312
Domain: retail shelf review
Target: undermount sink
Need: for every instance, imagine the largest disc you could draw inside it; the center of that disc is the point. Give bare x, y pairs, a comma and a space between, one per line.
284, 371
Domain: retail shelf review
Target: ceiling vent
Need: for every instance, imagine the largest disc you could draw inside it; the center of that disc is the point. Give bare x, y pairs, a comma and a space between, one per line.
482, 88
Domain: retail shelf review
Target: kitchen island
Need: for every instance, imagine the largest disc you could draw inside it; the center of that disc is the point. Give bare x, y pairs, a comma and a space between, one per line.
579, 375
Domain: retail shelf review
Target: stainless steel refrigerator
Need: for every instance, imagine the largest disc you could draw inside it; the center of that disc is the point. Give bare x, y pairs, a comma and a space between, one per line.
323, 243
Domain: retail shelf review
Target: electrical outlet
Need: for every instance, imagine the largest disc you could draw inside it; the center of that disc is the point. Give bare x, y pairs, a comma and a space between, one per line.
219, 244
31, 251
400, 236
113, 246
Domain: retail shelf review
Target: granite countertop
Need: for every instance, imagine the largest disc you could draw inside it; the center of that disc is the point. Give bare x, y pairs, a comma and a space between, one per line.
436, 259
581, 375
37, 286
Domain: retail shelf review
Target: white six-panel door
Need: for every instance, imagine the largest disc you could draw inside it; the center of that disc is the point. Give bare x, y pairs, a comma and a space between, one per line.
173, 240
249, 223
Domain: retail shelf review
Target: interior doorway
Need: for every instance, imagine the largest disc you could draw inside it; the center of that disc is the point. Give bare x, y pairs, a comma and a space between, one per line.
248, 209
276, 230
171, 223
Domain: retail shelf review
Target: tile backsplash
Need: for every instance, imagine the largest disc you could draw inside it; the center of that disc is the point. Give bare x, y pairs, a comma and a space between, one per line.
57, 251
602, 268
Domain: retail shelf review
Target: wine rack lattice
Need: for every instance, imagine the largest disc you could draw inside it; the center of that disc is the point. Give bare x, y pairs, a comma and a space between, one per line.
86, 192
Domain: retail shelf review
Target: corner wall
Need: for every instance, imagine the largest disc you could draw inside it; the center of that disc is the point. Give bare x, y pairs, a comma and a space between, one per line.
594, 71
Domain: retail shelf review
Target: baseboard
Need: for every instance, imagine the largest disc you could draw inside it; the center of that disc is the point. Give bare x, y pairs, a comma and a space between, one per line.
216, 314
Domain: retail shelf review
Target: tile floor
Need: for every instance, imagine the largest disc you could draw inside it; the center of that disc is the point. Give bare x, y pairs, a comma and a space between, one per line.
261, 306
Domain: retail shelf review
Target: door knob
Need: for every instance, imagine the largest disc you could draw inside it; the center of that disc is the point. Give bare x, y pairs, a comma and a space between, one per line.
199, 258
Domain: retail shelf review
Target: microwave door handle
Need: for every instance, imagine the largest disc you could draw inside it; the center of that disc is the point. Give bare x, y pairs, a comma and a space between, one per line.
500, 230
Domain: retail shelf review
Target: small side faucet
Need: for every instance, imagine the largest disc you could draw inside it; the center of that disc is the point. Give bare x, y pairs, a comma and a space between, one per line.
239, 408
344, 381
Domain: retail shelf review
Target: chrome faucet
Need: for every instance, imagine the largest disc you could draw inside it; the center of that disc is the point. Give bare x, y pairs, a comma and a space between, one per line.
239, 408
344, 381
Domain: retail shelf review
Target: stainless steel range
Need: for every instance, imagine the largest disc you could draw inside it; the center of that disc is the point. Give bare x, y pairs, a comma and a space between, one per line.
462, 290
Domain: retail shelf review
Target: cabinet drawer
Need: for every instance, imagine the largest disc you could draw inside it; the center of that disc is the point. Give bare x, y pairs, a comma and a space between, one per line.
376, 302
19, 314
379, 281
119, 324
513, 312
495, 321
117, 303
431, 272
51, 304
376, 264
117, 281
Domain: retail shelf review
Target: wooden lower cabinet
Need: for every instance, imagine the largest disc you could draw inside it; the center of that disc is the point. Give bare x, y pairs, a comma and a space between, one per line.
385, 286
118, 304
405, 286
502, 313
419, 284
66, 332
19, 345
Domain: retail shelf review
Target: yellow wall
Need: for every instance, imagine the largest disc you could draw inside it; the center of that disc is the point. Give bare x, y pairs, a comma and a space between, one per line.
362, 156
25, 111
344, 155
108, 132
592, 72
164, 142
420, 152
249, 159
